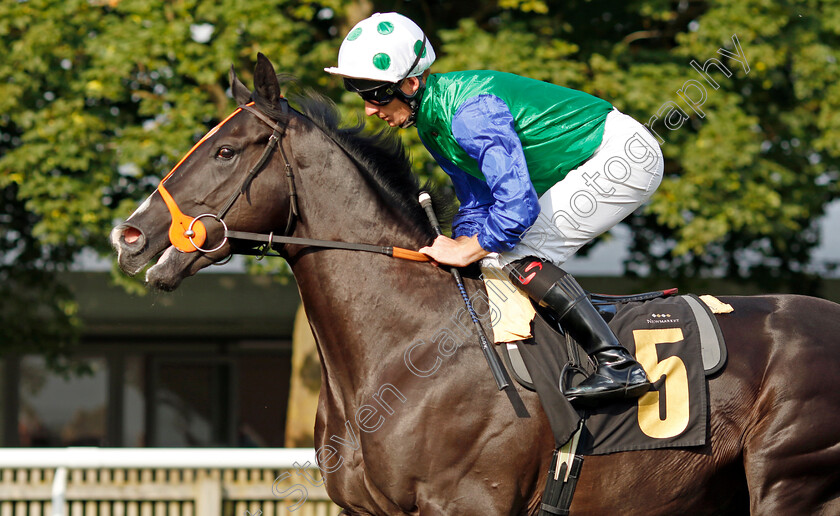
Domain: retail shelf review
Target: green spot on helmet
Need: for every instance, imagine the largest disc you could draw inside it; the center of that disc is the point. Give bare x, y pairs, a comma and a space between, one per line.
382, 61
418, 46
354, 34
385, 28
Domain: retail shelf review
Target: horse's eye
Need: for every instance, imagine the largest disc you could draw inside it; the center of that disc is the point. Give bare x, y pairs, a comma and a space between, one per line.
226, 153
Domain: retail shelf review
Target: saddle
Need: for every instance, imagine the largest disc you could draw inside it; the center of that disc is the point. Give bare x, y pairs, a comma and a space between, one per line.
675, 337
712, 345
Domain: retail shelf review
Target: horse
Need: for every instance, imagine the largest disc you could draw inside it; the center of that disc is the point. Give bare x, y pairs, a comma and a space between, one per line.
409, 423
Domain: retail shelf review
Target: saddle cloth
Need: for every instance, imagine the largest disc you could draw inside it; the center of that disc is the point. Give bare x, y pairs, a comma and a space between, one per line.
676, 339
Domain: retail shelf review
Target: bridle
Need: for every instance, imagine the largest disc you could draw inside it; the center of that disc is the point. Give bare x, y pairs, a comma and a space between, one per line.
196, 233
188, 234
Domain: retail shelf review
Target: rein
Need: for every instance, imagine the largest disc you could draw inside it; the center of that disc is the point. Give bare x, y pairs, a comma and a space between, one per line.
188, 234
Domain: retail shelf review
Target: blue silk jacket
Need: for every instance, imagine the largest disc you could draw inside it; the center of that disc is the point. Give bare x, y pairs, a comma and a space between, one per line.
504, 140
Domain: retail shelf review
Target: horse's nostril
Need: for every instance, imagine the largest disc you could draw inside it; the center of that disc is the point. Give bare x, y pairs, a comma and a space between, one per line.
131, 235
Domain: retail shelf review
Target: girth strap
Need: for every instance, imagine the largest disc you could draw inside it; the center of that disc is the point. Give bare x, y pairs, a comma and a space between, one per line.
563, 474
563, 491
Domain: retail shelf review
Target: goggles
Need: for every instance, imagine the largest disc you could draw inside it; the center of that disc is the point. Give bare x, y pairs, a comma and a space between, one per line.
378, 93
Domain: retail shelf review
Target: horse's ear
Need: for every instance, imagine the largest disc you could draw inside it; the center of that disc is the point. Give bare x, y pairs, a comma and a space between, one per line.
265, 81
241, 94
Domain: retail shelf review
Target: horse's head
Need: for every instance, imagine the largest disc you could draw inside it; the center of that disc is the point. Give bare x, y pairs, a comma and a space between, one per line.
228, 178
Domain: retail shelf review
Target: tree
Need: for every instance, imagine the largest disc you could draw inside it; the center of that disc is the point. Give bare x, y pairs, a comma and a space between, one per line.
754, 160
758, 171
99, 98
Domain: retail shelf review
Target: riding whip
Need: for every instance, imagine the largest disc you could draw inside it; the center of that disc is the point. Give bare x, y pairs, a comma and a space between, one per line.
499, 373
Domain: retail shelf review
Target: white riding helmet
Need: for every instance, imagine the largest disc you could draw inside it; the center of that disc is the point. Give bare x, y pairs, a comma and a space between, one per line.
383, 48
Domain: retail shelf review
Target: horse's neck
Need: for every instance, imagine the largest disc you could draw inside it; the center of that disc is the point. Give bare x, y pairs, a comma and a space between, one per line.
356, 302
337, 200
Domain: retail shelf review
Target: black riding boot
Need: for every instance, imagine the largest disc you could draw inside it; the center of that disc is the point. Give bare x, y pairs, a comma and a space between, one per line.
618, 375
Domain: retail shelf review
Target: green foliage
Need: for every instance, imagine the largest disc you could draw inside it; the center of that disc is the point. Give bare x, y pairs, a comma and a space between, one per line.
749, 180
37, 313
751, 171
99, 98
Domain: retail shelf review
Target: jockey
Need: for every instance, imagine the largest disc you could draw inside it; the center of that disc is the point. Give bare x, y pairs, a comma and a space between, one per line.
539, 169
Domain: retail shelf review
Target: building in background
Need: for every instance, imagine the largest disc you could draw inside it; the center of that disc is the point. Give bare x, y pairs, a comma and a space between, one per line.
206, 366
209, 365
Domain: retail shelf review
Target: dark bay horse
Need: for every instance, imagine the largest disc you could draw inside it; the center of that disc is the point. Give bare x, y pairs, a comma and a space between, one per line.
410, 422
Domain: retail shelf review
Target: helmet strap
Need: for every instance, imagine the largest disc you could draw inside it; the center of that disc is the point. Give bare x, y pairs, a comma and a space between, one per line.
413, 101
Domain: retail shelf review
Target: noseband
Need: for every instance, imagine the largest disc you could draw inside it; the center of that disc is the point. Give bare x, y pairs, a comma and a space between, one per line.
194, 232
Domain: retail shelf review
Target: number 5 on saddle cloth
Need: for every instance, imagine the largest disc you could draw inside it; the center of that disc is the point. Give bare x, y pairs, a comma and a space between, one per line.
675, 338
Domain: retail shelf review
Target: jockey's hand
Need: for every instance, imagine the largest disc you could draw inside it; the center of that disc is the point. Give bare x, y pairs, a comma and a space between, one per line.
459, 252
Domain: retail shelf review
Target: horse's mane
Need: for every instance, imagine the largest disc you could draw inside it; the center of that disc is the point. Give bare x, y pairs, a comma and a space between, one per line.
383, 162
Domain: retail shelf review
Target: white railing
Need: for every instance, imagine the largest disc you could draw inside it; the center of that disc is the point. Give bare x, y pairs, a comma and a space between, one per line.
91, 457
199, 479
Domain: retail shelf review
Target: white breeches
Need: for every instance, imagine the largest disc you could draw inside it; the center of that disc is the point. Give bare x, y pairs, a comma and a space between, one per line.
620, 176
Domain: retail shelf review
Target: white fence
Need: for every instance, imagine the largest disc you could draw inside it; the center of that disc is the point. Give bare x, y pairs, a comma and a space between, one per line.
161, 482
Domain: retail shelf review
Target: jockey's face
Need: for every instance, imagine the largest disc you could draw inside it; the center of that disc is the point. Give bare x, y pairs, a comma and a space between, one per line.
395, 112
